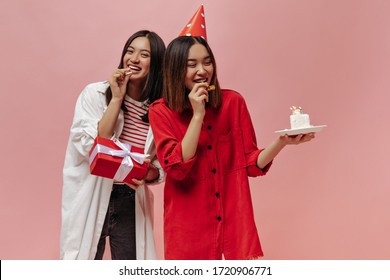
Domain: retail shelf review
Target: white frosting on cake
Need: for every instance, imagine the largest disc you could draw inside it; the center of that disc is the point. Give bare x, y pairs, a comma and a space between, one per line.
298, 119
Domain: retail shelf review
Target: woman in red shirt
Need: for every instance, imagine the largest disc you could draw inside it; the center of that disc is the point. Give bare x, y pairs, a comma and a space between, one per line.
207, 145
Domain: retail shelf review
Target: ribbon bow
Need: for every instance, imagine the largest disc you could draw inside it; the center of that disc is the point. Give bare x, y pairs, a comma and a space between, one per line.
125, 153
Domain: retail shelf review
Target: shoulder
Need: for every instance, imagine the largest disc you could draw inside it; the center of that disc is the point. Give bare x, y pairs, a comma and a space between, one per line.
92, 98
159, 111
158, 104
229, 95
100, 87
94, 91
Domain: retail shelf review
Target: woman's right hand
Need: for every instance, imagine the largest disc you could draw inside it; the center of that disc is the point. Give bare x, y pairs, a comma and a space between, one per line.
198, 98
136, 184
118, 82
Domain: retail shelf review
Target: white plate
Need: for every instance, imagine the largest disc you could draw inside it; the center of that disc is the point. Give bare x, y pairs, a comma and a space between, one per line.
301, 130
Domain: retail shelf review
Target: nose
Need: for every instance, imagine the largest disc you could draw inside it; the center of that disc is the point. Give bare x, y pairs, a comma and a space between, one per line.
201, 69
135, 58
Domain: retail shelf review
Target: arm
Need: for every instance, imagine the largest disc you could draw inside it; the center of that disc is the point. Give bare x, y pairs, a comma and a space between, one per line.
198, 96
161, 174
259, 161
191, 138
168, 137
269, 153
151, 175
88, 112
118, 83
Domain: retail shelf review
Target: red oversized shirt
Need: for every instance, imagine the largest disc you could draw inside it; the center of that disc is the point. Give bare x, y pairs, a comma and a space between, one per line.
207, 202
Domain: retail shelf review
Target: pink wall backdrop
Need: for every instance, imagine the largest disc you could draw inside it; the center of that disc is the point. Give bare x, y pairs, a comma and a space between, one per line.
328, 199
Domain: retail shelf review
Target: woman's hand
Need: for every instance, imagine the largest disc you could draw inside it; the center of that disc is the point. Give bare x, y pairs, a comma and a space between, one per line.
118, 82
296, 139
136, 183
198, 96
152, 173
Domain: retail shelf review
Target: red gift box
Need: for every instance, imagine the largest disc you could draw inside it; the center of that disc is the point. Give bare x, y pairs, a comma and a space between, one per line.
116, 160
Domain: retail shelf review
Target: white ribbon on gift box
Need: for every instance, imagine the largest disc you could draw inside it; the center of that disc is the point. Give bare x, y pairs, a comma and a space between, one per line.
125, 152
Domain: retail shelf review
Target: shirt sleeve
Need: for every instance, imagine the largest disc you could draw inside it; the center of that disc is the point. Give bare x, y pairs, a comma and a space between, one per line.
88, 113
250, 143
168, 144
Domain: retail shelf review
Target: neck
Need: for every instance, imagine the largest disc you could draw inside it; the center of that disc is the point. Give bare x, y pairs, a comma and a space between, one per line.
134, 90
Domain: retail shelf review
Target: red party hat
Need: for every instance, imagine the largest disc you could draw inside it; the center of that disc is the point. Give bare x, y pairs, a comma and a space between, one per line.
196, 26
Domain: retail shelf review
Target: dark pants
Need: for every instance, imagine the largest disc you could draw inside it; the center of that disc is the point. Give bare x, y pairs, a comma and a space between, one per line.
119, 225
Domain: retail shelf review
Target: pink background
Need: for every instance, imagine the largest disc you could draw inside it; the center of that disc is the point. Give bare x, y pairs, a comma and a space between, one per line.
328, 199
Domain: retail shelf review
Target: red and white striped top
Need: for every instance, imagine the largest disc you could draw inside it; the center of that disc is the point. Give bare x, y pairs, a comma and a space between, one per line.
135, 130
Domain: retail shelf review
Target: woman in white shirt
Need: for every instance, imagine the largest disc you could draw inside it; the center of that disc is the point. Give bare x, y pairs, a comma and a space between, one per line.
95, 207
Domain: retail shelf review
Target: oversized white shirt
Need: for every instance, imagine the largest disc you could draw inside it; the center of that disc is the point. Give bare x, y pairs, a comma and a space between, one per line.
85, 197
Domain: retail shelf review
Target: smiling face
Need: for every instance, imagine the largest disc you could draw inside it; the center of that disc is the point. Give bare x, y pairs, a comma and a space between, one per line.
200, 68
137, 58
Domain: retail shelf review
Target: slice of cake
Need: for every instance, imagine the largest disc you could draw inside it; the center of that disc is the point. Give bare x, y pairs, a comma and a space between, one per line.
298, 119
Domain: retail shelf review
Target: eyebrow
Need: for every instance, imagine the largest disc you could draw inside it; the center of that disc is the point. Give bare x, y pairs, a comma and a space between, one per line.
194, 59
142, 50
